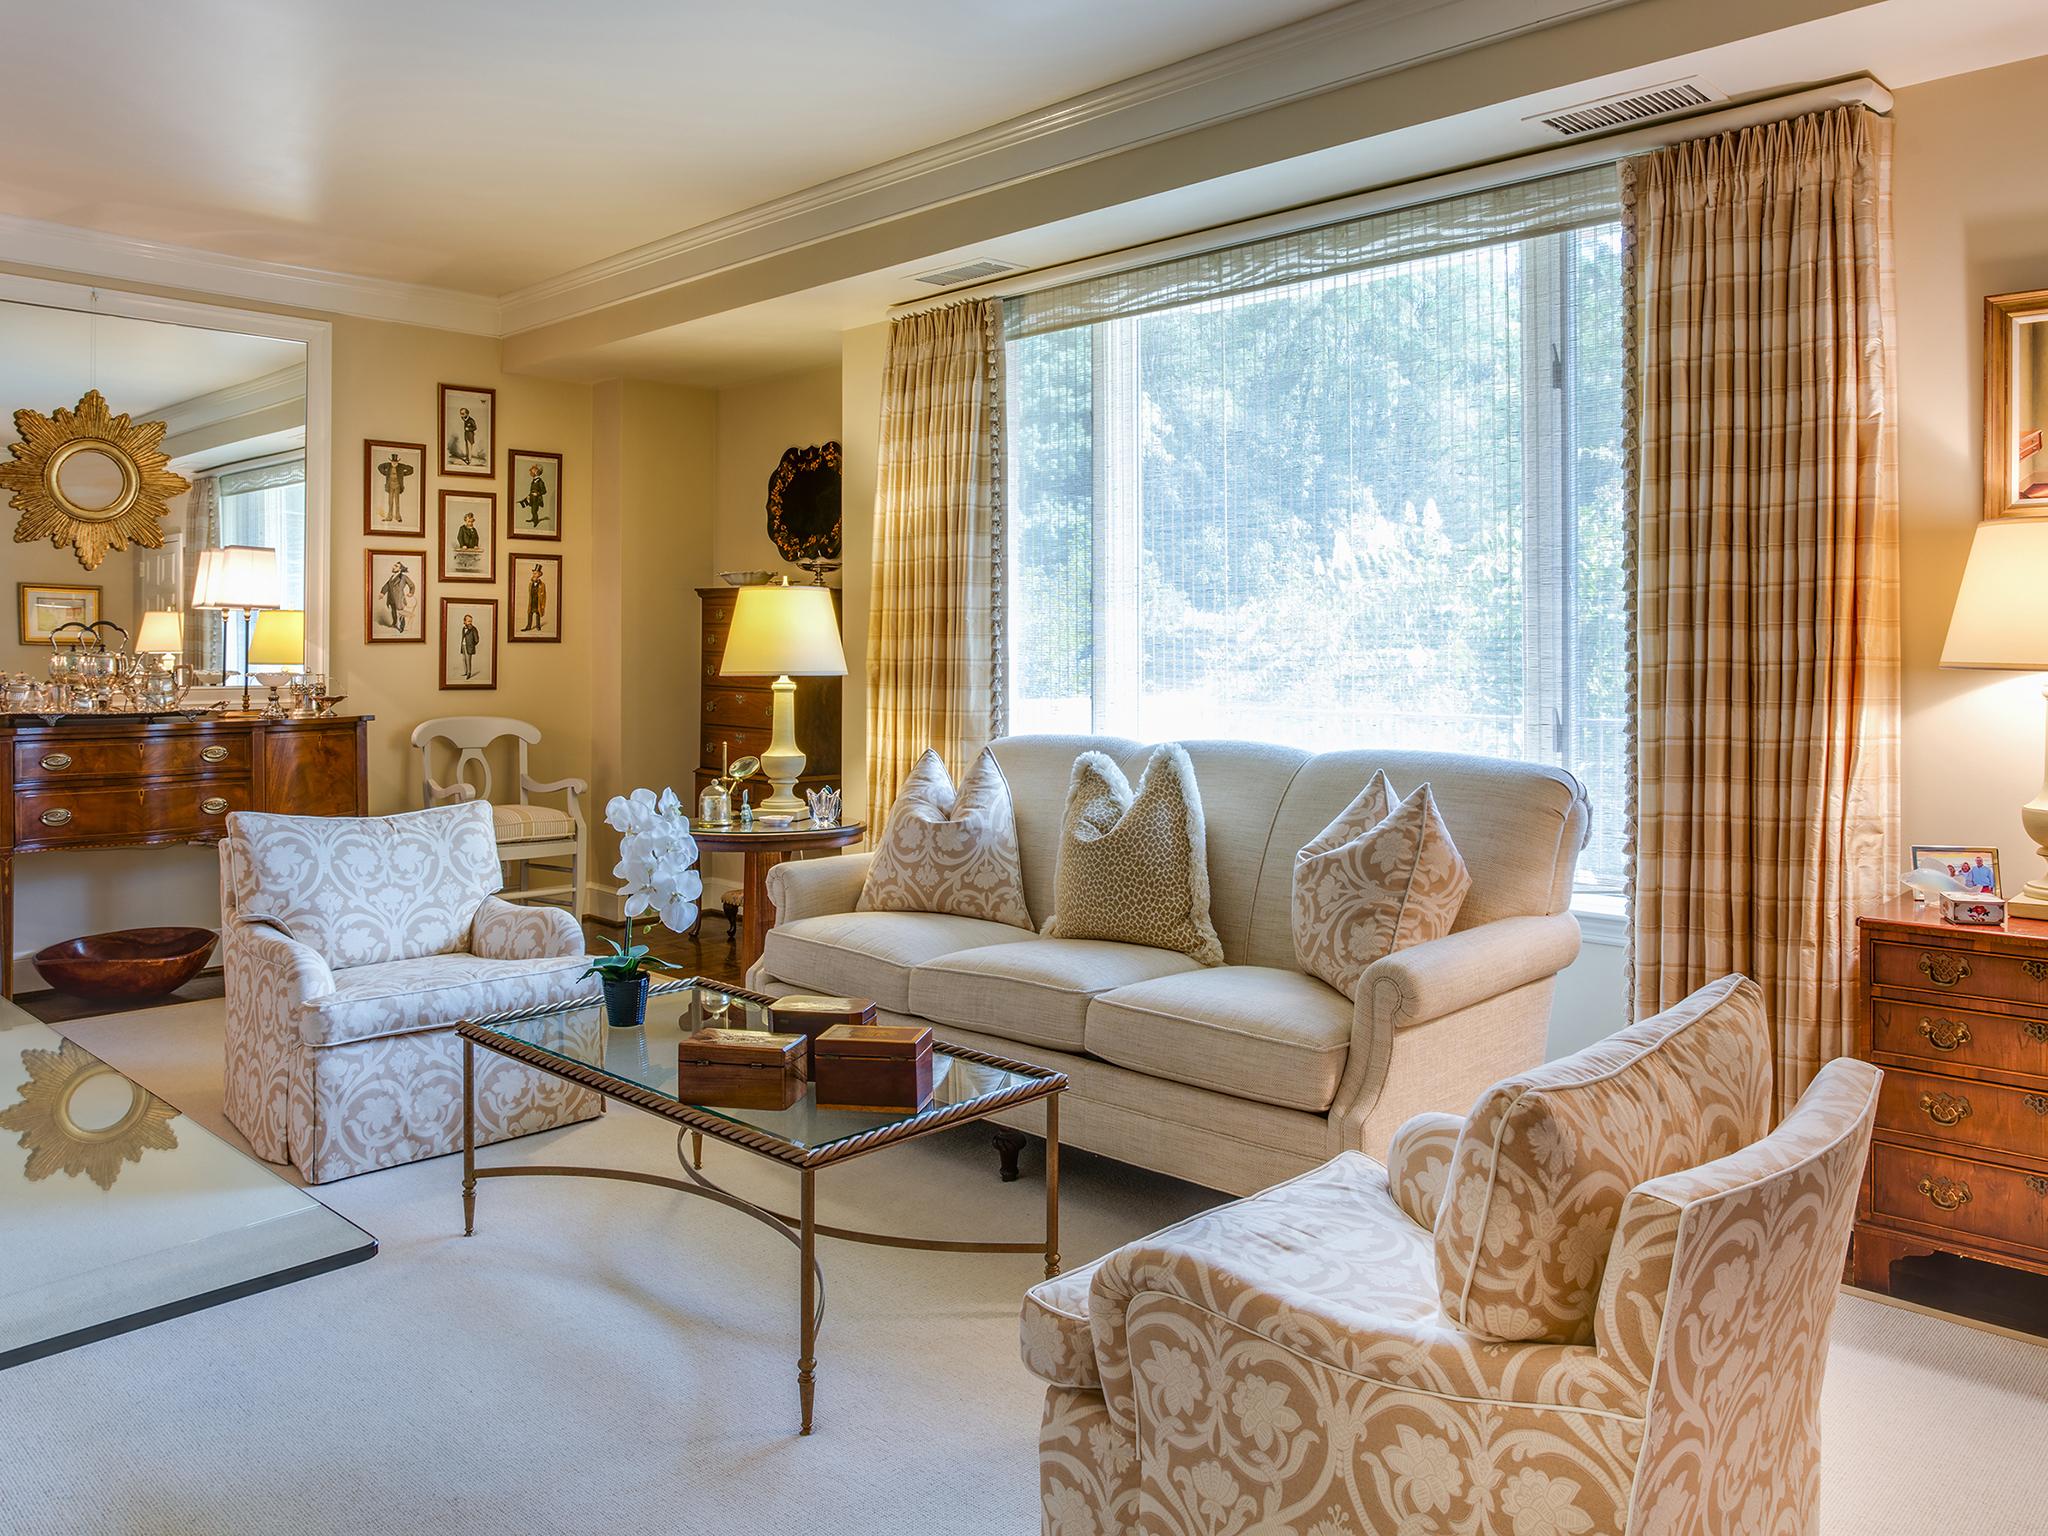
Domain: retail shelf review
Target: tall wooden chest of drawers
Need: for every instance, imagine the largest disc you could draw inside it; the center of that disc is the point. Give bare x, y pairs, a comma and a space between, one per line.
1958, 1019
737, 711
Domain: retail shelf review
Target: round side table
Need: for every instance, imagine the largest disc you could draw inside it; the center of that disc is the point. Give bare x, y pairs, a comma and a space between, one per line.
763, 848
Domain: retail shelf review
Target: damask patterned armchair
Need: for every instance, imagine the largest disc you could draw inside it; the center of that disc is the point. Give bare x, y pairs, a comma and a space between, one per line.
1614, 1321
352, 946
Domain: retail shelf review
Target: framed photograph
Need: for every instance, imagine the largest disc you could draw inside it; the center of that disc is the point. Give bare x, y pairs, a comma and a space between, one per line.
469, 430
395, 596
46, 608
469, 536
533, 494
534, 600
469, 642
1975, 867
395, 489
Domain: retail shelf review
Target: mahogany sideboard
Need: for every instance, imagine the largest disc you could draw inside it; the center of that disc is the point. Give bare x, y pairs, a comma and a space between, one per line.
149, 782
1958, 1019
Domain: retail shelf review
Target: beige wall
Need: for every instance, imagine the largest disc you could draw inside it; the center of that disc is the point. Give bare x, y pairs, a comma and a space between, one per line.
114, 576
756, 422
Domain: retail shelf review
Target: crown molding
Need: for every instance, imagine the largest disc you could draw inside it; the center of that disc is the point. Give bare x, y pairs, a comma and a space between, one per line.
225, 404
123, 258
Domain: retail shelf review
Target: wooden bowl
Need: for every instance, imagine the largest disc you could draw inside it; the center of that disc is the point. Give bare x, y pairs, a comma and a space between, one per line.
135, 962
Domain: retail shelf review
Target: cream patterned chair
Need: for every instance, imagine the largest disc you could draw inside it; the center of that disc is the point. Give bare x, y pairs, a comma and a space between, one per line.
352, 946
529, 836
1616, 1322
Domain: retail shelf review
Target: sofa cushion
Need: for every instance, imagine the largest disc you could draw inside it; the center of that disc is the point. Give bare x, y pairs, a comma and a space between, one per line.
1133, 863
871, 954
1034, 993
949, 851
1251, 1031
1547, 1158
400, 997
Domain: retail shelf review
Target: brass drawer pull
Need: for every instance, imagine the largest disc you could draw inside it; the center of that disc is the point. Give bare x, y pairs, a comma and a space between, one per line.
56, 762
1944, 970
2037, 970
1945, 1034
215, 754
213, 805
1944, 1109
2036, 1030
56, 817
2037, 1184
2037, 1102
1949, 1194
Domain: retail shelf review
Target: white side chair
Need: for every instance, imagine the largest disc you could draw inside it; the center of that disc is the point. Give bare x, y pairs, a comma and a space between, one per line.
529, 836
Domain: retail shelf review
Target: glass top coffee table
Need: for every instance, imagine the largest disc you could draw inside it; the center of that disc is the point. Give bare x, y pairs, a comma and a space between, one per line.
639, 1067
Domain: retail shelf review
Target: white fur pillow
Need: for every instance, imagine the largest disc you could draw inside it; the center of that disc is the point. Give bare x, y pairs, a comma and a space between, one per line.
1134, 864
1381, 877
948, 851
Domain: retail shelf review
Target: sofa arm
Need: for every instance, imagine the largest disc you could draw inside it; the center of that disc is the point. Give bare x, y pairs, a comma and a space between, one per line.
1419, 1163
814, 887
504, 930
1412, 986
266, 958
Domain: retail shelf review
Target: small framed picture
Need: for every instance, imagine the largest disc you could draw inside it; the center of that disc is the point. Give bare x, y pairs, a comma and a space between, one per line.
469, 536
1976, 868
534, 599
395, 489
533, 494
395, 596
469, 430
46, 608
469, 642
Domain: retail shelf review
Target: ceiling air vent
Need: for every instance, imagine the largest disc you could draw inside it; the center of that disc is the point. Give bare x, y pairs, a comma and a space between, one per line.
967, 272
1629, 108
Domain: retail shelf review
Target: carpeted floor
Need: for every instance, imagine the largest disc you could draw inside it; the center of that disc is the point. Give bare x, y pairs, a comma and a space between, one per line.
609, 1358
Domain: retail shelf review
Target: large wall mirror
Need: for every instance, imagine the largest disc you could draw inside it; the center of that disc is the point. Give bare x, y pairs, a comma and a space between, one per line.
241, 460
2016, 405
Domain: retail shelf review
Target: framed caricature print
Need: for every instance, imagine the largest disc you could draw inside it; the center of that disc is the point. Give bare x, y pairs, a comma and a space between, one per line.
533, 603
469, 536
394, 489
469, 642
533, 494
395, 596
469, 430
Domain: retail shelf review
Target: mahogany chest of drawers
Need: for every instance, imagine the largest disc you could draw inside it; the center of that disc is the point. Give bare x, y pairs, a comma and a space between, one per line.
1958, 1020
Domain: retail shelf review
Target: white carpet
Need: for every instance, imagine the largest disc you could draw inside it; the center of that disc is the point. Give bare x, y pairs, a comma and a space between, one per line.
609, 1358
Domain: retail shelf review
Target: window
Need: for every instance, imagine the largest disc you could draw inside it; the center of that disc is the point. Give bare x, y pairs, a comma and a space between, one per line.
263, 503
1356, 486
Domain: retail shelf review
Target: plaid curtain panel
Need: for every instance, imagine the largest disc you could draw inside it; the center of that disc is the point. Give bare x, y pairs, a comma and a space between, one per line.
932, 620
1766, 595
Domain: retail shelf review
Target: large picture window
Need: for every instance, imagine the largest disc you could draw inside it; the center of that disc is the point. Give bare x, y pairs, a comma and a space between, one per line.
1360, 486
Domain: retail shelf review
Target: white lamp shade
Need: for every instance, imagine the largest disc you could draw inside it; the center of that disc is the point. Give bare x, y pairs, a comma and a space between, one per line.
2001, 614
279, 639
162, 630
240, 576
783, 631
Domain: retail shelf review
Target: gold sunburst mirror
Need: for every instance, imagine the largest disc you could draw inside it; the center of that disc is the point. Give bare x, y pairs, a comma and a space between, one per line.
90, 479
77, 1115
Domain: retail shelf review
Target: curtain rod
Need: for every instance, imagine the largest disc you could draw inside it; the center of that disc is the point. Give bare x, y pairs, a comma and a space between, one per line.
1859, 90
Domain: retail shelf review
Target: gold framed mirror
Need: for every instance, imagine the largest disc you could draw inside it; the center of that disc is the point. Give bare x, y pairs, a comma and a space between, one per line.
90, 479
2016, 404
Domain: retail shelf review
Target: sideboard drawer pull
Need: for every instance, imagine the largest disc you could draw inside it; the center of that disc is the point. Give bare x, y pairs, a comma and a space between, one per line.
2037, 970
215, 753
56, 762
1944, 970
213, 805
57, 816
2038, 1103
1945, 1109
1948, 1194
1945, 1034
2035, 1030
2037, 1184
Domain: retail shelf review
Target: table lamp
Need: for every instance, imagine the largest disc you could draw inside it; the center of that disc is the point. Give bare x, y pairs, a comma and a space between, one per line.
2001, 622
161, 633
279, 640
783, 632
241, 576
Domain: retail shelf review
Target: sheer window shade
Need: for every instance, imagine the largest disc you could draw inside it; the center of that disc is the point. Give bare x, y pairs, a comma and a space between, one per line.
1359, 485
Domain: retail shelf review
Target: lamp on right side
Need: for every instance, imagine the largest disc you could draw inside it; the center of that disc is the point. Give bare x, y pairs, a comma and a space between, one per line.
2001, 623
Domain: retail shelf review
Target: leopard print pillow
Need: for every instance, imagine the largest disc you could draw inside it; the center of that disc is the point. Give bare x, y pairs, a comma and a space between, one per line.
948, 851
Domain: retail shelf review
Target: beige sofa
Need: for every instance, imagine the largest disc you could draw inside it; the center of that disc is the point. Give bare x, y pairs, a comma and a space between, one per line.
1237, 1076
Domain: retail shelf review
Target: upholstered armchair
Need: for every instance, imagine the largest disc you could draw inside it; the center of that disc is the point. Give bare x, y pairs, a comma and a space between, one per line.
1598, 1304
352, 946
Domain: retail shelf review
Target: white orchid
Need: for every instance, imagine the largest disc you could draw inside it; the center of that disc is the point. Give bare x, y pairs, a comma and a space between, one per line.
658, 865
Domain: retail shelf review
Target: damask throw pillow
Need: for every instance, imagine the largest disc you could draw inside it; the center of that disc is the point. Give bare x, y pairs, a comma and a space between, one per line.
1134, 864
943, 850
1381, 877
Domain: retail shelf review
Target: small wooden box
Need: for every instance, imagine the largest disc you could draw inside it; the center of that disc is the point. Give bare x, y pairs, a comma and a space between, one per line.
741, 1069
1973, 909
810, 1016
880, 1067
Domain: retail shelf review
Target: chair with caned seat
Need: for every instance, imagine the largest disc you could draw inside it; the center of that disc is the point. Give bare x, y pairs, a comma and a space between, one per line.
529, 836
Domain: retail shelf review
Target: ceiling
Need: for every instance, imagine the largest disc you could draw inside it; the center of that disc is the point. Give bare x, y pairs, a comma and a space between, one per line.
50, 357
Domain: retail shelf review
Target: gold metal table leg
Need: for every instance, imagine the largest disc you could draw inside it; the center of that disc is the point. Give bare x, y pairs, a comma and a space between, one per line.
469, 1138
696, 1149
807, 1360
1052, 1185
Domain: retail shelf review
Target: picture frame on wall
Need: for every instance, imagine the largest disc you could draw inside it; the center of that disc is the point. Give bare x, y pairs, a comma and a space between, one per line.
533, 494
469, 642
533, 597
469, 536
394, 489
468, 443
45, 607
395, 596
